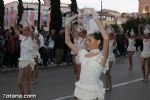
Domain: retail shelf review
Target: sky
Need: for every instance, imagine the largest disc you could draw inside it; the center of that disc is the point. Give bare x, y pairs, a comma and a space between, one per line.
118, 5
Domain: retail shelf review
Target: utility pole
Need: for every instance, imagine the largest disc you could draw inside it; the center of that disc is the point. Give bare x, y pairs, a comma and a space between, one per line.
39, 11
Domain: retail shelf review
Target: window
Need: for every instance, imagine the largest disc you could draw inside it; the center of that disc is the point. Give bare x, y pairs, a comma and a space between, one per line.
146, 9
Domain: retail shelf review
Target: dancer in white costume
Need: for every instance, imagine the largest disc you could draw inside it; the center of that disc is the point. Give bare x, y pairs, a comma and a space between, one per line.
111, 57
146, 54
131, 48
79, 42
89, 86
36, 57
26, 61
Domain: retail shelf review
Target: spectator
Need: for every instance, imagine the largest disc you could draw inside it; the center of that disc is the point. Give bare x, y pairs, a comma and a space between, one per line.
2, 44
59, 47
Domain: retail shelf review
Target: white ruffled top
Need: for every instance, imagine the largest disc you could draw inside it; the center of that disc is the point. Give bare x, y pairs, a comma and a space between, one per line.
89, 85
111, 48
131, 43
146, 48
27, 48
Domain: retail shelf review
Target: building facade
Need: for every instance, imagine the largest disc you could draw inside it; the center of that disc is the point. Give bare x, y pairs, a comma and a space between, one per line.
144, 7
11, 11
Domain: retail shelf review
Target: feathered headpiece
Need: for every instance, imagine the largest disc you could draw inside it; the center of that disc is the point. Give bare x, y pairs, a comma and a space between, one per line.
92, 27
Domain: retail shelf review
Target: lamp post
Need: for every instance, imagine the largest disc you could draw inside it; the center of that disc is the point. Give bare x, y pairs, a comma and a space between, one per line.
101, 10
50, 18
39, 10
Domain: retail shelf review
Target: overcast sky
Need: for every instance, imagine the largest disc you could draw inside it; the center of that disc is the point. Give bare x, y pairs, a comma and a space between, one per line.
118, 5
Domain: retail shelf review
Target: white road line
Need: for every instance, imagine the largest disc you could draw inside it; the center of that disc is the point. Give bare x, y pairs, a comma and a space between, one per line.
125, 83
121, 84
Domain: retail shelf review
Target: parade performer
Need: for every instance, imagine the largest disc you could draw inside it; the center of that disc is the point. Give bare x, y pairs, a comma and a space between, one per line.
26, 61
131, 48
89, 86
79, 35
146, 54
111, 57
36, 57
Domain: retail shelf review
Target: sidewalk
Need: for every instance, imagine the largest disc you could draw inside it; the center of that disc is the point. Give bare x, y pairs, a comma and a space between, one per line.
50, 66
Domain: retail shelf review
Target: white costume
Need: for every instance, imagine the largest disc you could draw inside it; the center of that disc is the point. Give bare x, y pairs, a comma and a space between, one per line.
131, 46
146, 48
111, 56
90, 86
27, 51
79, 43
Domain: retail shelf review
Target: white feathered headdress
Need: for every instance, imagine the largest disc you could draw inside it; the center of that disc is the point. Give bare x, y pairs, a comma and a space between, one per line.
92, 27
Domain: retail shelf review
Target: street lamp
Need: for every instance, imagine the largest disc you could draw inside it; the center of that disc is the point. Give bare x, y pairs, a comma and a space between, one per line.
101, 10
50, 18
39, 10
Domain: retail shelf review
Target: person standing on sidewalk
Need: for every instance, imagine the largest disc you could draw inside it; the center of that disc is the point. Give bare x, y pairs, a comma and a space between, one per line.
59, 47
2, 47
51, 44
89, 86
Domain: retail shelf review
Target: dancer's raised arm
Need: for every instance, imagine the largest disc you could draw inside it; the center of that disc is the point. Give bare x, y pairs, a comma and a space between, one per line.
15, 26
67, 35
104, 35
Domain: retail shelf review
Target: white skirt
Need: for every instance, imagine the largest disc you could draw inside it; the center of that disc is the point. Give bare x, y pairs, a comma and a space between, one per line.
83, 92
131, 49
145, 55
25, 63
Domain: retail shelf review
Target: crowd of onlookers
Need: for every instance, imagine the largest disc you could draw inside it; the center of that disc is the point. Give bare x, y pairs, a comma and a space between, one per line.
53, 48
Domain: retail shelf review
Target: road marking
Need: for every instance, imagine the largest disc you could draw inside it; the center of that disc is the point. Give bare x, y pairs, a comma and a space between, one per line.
125, 83
121, 84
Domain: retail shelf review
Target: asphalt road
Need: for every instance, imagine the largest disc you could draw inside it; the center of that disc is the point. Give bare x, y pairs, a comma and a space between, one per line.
58, 83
